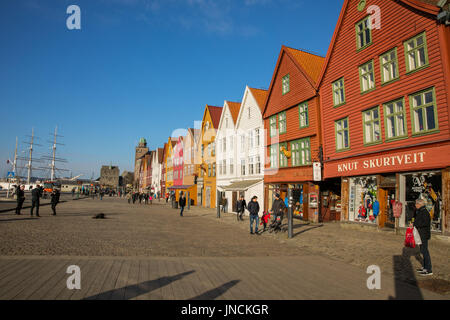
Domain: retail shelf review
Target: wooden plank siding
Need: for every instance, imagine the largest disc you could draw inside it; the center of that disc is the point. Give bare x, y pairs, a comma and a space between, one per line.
301, 90
399, 23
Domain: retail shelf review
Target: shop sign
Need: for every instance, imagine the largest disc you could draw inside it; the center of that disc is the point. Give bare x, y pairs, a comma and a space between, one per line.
383, 162
317, 171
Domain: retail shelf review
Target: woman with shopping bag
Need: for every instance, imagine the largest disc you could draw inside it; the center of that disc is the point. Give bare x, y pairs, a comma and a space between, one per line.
422, 227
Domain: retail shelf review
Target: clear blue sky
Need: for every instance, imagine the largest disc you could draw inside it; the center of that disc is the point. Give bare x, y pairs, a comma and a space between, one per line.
138, 68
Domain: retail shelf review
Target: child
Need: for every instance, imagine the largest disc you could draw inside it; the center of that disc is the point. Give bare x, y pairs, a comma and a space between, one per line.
264, 219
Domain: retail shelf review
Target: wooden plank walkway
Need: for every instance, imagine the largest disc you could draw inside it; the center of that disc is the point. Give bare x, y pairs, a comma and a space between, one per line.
174, 278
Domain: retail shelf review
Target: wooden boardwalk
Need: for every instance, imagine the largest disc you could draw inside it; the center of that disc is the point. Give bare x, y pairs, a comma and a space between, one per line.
172, 278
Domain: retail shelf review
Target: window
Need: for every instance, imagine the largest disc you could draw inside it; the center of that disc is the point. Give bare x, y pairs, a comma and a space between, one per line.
242, 143
342, 134
424, 113
416, 53
274, 156
338, 92
220, 169
371, 120
258, 165
389, 66
367, 77
283, 159
273, 126
257, 137
282, 122
231, 143
224, 164
224, 145
250, 165
250, 139
363, 34
231, 167
394, 117
303, 115
203, 150
243, 167
301, 152
214, 169
285, 84
209, 170
209, 149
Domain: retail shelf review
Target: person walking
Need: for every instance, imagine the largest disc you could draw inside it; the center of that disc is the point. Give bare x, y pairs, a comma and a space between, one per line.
278, 207
422, 222
73, 192
129, 197
253, 208
151, 198
241, 206
36, 195
182, 203
20, 192
54, 200
102, 193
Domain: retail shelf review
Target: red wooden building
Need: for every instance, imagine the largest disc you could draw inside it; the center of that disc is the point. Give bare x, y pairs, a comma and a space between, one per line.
292, 130
385, 102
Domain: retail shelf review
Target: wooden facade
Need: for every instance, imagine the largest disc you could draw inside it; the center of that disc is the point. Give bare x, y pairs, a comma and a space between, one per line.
292, 126
385, 101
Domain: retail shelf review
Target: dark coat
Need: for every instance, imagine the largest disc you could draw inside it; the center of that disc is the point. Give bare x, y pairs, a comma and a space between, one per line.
278, 207
422, 221
36, 194
241, 205
55, 197
20, 195
253, 208
182, 201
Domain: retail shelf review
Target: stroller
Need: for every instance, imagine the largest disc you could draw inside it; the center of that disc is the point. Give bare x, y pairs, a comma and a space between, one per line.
275, 226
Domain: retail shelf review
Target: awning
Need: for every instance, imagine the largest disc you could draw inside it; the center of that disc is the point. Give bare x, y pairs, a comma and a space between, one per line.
180, 187
241, 185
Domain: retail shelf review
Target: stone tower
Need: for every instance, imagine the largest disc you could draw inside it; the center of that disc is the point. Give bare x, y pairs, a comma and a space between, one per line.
141, 150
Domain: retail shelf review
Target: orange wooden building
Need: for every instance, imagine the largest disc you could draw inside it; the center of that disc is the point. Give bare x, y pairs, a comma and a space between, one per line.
385, 103
292, 130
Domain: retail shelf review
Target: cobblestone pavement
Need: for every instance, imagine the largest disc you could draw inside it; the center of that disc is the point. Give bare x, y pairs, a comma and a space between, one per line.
317, 257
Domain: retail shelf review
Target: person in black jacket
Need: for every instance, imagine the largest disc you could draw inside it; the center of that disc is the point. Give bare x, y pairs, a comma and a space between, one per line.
241, 206
278, 207
182, 203
422, 222
36, 195
20, 198
253, 208
54, 200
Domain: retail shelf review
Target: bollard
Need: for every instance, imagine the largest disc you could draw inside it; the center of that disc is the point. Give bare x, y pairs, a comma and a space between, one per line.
290, 214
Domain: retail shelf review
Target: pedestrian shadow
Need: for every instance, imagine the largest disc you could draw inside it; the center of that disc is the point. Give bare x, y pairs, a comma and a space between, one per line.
135, 290
18, 219
406, 286
216, 292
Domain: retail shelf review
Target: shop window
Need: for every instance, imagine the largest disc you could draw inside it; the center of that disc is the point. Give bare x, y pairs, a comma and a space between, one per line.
273, 126
389, 66
285, 83
426, 186
424, 112
367, 77
283, 161
282, 122
301, 152
363, 202
395, 120
274, 156
363, 34
342, 135
303, 115
338, 92
416, 53
371, 119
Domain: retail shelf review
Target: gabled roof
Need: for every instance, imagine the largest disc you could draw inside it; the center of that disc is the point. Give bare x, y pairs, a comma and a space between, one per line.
310, 65
234, 109
427, 6
215, 113
260, 96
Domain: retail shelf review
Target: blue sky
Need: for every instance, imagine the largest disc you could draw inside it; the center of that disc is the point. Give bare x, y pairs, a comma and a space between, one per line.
138, 68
